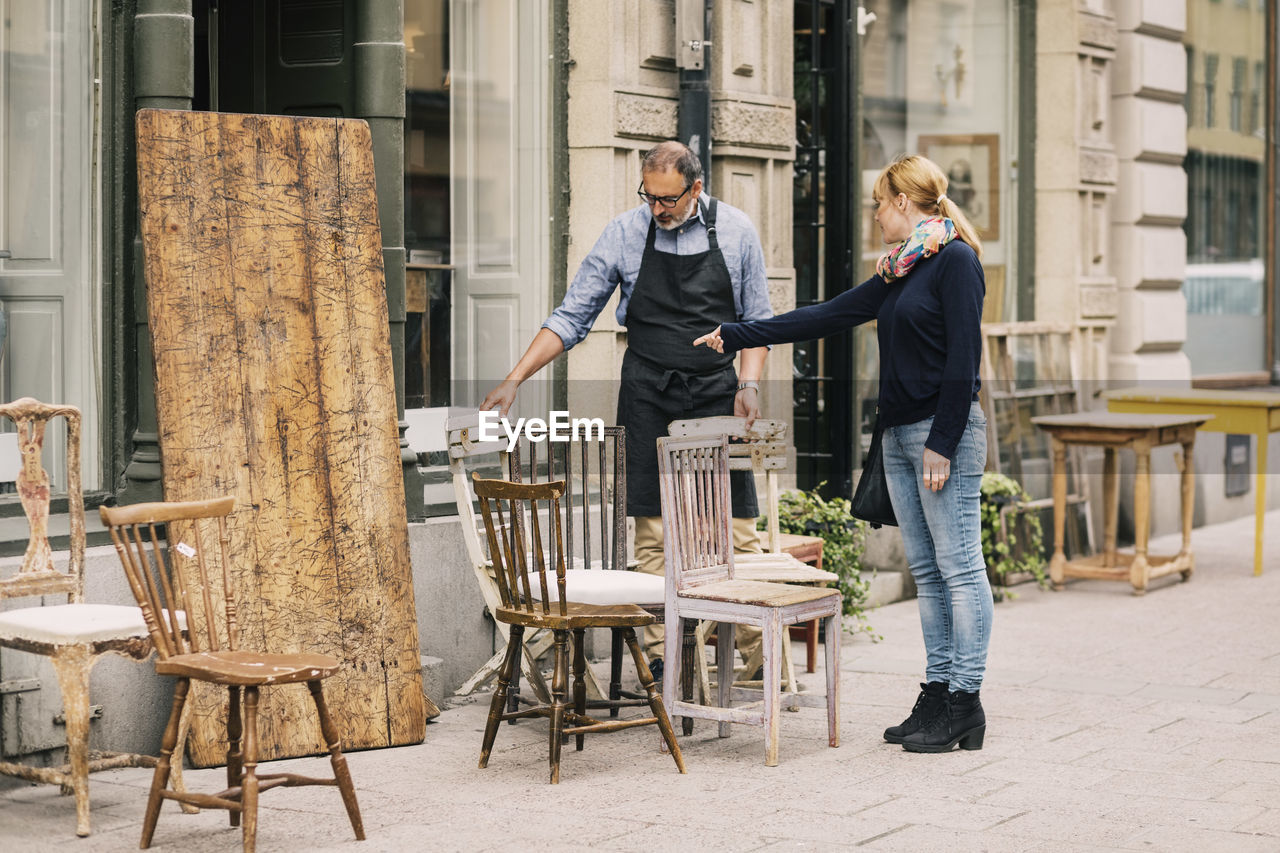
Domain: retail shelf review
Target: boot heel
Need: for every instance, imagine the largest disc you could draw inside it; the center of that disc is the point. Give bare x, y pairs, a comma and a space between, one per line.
973, 740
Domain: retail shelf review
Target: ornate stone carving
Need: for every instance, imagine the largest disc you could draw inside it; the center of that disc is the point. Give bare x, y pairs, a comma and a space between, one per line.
753, 125
1098, 167
644, 116
1098, 31
1098, 301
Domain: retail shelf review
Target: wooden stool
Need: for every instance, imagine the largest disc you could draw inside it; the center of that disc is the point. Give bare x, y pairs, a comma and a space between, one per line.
1139, 433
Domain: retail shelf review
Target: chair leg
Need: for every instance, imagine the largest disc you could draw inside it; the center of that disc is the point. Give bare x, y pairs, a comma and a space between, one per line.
72, 664
655, 699
688, 648
559, 692
249, 779
832, 635
160, 777
724, 671
811, 645
333, 741
615, 670
789, 669
235, 758
772, 687
515, 641
671, 672
179, 787
579, 684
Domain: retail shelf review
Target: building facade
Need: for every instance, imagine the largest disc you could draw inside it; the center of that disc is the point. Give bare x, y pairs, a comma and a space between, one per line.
1117, 157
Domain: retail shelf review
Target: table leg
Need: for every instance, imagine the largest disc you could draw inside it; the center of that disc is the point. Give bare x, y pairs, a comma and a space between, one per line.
1188, 504
1110, 506
1139, 570
1058, 563
1260, 501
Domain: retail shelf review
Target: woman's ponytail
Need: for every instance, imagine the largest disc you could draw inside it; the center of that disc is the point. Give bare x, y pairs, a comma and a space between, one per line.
964, 228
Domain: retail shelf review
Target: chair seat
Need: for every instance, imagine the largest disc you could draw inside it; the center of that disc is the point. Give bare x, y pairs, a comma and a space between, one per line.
249, 668
758, 593
608, 587
807, 549
69, 624
768, 567
579, 616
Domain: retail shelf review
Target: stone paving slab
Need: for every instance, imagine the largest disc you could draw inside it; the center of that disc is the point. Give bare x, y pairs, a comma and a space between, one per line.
1116, 722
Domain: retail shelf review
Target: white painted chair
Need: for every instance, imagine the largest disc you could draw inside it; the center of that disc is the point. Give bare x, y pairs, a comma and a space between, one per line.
701, 584
72, 635
762, 450
595, 525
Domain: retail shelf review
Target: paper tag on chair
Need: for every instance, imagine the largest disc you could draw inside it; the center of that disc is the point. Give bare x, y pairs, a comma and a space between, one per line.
185, 550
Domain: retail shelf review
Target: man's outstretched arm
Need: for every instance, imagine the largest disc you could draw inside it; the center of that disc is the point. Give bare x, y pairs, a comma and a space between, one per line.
545, 347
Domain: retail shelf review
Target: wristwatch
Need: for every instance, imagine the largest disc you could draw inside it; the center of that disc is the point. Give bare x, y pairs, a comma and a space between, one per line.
750, 383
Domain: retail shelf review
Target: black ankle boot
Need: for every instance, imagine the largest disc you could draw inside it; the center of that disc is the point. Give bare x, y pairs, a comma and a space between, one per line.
930, 703
963, 723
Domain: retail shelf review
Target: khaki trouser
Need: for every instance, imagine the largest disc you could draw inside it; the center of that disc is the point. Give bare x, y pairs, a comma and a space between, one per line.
648, 552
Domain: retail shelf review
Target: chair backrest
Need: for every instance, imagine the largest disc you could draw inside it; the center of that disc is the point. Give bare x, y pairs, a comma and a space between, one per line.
694, 488
171, 576
38, 576
762, 450
515, 515
466, 452
594, 471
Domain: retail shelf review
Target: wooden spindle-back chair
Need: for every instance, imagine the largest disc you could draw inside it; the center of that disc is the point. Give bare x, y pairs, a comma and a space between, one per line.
72, 635
701, 584
524, 526
175, 557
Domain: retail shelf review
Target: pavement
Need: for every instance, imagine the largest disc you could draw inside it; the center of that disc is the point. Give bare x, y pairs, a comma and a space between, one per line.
1115, 722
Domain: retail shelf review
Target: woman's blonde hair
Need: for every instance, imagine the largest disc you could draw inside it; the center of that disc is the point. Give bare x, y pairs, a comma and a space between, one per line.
924, 183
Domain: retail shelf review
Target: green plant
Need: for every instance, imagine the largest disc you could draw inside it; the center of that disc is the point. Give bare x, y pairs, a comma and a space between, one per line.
1017, 546
843, 537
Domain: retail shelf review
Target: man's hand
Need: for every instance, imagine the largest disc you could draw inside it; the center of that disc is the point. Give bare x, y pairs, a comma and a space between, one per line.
503, 398
747, 405
937, 468
715, 342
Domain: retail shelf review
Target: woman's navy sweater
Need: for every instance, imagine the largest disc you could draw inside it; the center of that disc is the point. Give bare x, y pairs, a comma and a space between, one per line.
929, 332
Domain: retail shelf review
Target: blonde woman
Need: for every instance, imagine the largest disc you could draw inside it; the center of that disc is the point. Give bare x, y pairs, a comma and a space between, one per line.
927, 296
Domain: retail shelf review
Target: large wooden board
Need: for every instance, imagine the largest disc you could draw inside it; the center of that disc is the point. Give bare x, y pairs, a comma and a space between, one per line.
268, 315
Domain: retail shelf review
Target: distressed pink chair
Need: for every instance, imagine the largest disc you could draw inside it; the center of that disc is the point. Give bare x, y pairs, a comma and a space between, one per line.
72, 635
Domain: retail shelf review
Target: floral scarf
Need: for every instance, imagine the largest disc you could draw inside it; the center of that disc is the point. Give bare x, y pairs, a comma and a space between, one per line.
927, 238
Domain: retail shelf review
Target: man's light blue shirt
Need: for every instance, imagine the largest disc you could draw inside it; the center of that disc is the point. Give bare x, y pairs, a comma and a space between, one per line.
615, 260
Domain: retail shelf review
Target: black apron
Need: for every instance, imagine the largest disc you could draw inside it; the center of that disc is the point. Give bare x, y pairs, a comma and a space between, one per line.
676, 299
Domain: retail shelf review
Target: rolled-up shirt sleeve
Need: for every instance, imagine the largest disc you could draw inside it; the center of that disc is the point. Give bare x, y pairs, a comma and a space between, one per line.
590, 290
753, 302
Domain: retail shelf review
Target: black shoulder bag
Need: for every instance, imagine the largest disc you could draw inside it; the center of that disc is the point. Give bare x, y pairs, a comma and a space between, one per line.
871, 497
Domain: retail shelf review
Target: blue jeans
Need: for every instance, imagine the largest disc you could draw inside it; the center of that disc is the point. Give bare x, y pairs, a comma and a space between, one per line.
942, 536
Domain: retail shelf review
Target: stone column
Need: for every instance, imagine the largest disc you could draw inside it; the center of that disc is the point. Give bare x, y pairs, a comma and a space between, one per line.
1151, 142
1076, 173
164, 78
378, 90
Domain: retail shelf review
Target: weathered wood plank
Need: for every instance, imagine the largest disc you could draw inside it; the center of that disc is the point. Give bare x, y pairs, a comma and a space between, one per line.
274, 383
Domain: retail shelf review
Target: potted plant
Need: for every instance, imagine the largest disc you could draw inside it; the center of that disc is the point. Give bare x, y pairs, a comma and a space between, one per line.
844, 537
1012, 540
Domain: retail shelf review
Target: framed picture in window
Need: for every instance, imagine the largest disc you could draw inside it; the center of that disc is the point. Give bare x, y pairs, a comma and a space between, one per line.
971, 162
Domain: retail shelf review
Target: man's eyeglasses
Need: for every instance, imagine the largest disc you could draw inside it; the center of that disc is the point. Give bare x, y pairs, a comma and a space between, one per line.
665, 200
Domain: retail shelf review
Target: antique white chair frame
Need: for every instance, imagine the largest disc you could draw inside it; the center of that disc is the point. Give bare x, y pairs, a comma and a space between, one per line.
72, 635
701, 584
592, 584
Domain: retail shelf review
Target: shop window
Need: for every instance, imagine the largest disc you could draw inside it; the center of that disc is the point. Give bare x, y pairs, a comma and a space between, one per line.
1226, 183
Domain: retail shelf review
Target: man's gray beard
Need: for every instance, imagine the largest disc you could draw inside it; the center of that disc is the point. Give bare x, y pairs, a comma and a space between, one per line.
676, 222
